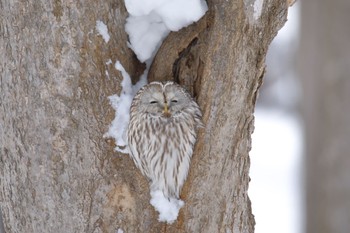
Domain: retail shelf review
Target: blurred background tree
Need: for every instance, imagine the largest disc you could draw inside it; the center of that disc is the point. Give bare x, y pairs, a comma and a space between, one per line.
324, 63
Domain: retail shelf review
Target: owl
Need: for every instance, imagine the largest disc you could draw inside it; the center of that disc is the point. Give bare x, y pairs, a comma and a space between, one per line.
162, 131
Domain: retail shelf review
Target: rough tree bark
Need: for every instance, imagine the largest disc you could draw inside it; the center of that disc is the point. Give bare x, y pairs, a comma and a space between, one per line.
324, 65
58, 174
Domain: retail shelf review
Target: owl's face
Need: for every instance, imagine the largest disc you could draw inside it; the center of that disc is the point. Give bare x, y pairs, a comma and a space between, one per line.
163, 100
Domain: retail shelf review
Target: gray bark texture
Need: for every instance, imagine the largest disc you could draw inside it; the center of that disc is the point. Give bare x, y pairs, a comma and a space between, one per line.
2, 230
324, 65
57, 172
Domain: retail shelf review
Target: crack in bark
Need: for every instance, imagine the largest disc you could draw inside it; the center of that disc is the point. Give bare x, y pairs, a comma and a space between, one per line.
183, 54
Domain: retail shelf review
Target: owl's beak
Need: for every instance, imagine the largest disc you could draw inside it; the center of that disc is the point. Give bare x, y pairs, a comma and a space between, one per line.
166, 110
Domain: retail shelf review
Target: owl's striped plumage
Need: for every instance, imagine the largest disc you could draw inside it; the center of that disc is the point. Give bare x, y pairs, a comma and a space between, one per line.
162, 131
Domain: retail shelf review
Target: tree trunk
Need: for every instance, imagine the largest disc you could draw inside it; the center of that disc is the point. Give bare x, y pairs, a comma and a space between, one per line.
58, 174
324, 62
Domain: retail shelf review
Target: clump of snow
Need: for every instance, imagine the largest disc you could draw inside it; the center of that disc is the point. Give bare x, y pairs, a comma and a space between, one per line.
168, 208
149, 22
145, 35
102, 30
120, 230
258, 5
121, 104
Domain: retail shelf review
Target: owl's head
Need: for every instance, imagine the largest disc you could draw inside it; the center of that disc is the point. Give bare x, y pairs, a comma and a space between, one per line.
162, 99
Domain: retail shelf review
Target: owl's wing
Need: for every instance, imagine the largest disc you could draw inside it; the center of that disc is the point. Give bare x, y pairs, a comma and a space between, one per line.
135, 144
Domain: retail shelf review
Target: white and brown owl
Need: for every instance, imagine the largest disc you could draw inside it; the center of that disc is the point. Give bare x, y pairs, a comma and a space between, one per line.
164, 121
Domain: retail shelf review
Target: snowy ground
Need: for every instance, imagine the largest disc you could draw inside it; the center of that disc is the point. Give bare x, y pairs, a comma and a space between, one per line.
275, 173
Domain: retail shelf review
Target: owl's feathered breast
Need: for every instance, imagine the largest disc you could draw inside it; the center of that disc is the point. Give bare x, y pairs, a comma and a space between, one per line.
162, 148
